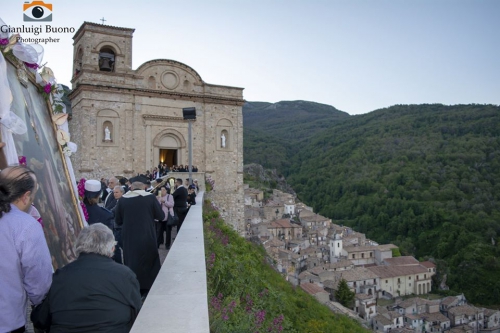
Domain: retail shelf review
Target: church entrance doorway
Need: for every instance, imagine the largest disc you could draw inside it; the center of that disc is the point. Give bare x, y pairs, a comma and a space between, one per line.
168, 156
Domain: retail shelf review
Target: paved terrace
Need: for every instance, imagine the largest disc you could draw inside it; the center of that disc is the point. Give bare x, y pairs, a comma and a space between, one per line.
178, 301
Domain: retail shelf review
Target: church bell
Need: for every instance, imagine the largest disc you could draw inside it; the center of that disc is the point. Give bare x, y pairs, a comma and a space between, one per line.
106, 62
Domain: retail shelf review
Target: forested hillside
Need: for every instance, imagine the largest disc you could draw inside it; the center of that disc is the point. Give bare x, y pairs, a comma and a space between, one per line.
271, 131
424, 177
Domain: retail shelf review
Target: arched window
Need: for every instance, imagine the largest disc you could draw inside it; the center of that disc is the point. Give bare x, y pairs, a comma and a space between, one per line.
107, 60
78, 62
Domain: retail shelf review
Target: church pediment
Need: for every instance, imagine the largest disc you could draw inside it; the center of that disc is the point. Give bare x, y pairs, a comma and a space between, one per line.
169, 75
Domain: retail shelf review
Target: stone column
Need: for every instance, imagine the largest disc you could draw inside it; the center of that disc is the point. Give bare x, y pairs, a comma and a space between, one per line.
149, 147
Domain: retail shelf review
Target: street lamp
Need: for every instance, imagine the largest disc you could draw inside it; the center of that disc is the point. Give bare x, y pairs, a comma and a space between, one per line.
189, 114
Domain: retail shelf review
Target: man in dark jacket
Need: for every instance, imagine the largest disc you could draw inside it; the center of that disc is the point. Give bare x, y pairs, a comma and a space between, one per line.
100, 214
110, 201
136, 212
93, 293
180, 202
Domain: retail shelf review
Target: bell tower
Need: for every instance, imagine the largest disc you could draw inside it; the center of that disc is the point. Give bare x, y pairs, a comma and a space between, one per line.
101, 53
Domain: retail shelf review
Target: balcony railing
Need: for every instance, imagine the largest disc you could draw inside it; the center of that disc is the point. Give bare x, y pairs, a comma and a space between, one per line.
177, 301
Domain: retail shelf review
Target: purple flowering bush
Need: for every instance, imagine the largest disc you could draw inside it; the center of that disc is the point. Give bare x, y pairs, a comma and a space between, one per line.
246, 294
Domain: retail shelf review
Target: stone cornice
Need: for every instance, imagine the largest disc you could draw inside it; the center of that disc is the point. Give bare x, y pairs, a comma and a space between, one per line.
128, 74
155, 117
157, 93
92, 25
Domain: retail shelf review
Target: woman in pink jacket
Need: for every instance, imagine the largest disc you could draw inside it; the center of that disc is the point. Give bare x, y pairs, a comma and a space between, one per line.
167, 202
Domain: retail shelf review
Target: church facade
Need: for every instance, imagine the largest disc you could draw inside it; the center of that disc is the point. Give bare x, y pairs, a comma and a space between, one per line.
127, 121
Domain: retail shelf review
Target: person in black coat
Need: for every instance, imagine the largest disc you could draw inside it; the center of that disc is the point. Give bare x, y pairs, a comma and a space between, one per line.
110, 201
92, 293
136, 212
191, 198
180, 202
96, 213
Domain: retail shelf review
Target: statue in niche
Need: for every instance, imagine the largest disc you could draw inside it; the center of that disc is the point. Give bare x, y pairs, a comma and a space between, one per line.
107, 134
223, 141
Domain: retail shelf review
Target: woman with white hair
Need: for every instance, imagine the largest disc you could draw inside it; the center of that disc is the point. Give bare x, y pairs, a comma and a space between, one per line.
93, 293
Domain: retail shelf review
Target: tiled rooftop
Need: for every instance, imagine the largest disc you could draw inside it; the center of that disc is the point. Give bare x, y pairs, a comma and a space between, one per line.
428, 264
312, 288
394, 271
356, 274
467, 310
401, 261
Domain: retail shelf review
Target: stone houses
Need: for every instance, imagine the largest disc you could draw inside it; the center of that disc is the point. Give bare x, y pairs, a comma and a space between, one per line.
313, 262
260, 230
417, 305
284, 230
325, 253
353, 238
368, 254
274, 243
314, 221
381, 323
253, 197
283, 197
273, 210
402, 330
492, 319
309, 277
303, 209
366, 306
462, 329
422, 315
415, 322
431, 267
360, 280
318, 236
402, 280
253, 216
296, 245
319, 293
451, 301
294, 263
436, 322
466, 314
401, 261
338, 266
290, 208
386, 321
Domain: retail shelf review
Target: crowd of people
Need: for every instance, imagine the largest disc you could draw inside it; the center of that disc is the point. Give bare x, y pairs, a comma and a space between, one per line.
163, 169
118, 259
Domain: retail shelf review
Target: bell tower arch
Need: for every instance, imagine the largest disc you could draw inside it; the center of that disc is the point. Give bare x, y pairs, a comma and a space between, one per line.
100, 50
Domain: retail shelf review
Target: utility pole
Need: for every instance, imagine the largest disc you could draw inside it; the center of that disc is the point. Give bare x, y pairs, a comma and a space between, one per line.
190, 153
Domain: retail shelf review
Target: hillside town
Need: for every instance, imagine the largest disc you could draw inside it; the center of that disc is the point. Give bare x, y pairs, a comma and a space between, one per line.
391, 291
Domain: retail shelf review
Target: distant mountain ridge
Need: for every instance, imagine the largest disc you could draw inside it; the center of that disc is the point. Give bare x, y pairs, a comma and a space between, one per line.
424, 177
271, 130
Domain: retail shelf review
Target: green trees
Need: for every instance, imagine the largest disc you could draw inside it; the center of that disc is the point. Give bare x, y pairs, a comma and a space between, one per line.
344, 295
424, 177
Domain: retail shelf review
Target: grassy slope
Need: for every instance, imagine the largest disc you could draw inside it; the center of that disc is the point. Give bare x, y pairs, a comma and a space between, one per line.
247, 295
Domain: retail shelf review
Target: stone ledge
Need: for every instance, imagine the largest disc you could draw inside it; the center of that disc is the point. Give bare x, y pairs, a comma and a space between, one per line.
178, 300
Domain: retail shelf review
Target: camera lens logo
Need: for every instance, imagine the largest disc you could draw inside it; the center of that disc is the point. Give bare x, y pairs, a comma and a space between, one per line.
37, 11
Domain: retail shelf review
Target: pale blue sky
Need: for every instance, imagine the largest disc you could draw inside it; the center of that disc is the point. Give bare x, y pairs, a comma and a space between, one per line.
355, 55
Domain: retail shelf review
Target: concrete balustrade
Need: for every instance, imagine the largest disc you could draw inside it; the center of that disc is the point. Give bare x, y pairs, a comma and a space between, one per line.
178, 301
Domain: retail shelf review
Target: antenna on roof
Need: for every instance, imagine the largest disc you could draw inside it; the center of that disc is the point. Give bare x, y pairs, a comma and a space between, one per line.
103, 20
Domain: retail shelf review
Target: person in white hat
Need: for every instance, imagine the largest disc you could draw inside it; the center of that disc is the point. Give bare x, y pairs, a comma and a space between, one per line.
98, 214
